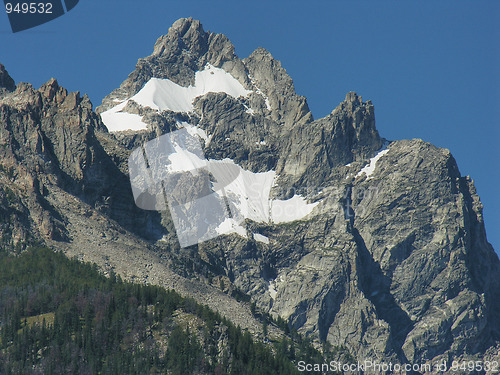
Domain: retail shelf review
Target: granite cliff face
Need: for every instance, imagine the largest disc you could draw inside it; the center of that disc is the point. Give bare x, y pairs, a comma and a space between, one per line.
7, 84
392, 263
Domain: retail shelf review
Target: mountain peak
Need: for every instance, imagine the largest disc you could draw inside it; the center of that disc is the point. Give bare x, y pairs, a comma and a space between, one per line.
6, 81
52, 91
182, 25
352, 97
354, 103
261, 51
184, 34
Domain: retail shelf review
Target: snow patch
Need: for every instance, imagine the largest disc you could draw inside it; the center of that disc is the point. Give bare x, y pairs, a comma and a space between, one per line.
196, 131
295, 208
246, 193
183, 160
116, 121
259, 91
250, 193
268, 104
164, 94
260, 238
272, 291
229, 226
370, 167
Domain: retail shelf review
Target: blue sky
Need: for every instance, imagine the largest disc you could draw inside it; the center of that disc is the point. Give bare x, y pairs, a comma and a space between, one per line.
430, 68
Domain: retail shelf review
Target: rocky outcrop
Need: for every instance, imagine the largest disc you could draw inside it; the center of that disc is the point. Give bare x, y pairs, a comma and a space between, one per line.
55, 129
348, 134
7, 84
186, 49
386, 270
48, 138
286, 106
421, 224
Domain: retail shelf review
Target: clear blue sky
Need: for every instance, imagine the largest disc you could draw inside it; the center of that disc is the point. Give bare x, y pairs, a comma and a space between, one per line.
432, 69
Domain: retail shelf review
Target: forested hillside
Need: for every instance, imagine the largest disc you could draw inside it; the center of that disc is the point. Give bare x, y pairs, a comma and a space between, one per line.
60, 316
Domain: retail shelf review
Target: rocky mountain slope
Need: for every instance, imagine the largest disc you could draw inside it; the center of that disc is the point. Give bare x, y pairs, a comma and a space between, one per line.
78, 321
390, 259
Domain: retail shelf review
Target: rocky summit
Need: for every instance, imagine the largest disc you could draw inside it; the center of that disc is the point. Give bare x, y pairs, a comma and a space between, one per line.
387, 259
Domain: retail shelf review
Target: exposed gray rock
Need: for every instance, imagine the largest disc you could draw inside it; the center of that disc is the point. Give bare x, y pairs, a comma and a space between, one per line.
251, 141
48, 138
7, 84
310, 153
422, 226
286, 106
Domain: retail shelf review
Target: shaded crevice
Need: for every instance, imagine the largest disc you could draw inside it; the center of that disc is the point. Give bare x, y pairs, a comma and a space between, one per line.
376, 287
330, 306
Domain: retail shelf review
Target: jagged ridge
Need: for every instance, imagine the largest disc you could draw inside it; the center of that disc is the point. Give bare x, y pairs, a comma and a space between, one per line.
394, 265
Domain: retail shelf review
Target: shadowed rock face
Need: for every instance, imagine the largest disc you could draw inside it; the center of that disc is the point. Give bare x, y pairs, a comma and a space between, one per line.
6, 81
48, 139
393, 263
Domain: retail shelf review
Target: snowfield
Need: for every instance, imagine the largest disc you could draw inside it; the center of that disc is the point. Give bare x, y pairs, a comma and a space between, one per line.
117, 121
247, 192
231, 226
164, 94
370, 167
295, 208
